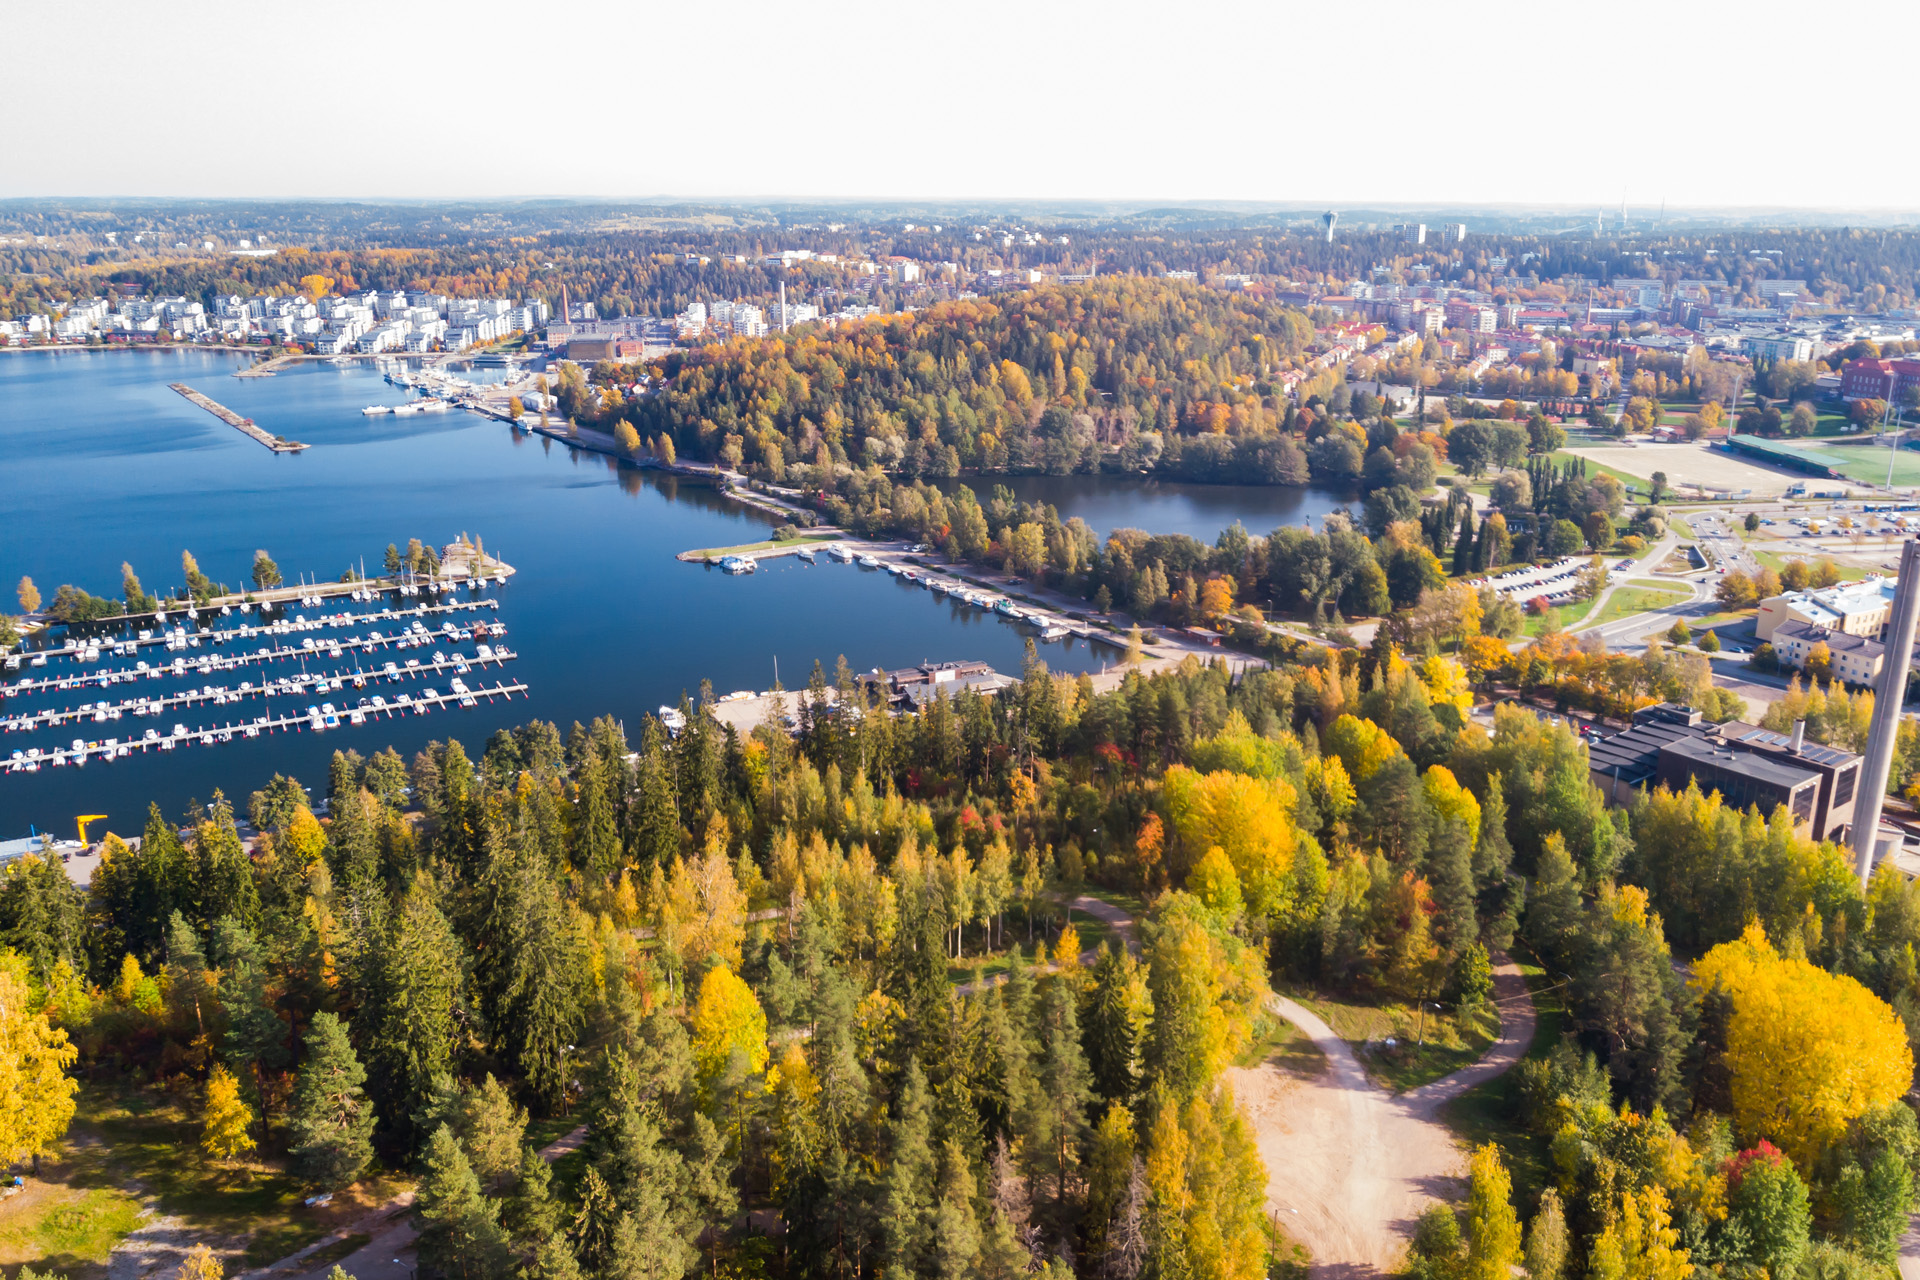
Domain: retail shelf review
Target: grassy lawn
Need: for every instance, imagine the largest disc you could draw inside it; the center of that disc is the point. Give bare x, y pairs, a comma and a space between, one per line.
1491, 1112
1425, 1049
1775, 561
127, 1139
1600, 468
1278, 1041
53, 1224
1628, 601
1680, 526
1539, 624
714, 553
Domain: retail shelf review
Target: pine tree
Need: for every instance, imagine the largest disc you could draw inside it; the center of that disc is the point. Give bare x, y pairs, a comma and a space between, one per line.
1064, 1087
1450, 875
1463, 545
1498, 893
593, 1224
907, 1191
332, 1120
459, 1237
657, 820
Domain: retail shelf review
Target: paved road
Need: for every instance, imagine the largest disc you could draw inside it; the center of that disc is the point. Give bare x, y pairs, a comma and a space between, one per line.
1349, 1165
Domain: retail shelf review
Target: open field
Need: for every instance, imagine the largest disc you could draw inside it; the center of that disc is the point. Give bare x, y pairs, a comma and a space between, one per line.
1689, 464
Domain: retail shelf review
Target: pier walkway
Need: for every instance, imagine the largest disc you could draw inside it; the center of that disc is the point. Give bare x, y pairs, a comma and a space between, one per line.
237, 422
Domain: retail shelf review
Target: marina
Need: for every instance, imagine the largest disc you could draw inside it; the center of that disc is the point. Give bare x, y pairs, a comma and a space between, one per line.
314, 718
243, 425
602, 618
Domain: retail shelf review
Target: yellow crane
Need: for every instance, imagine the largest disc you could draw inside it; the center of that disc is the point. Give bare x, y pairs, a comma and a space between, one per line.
84, 819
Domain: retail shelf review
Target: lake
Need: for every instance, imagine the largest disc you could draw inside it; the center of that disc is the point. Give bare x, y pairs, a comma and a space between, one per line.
103, 463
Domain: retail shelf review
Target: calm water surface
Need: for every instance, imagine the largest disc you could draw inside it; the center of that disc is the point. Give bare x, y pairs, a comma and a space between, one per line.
1137, 502
101, 463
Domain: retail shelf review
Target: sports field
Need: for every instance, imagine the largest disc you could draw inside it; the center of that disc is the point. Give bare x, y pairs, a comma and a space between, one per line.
1863, 462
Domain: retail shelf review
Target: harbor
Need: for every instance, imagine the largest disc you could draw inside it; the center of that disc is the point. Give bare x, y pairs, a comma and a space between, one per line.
245, 426
191, 642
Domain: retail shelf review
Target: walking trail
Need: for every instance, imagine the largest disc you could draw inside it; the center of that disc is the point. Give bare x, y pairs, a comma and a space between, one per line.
392, 1231
1349, 1165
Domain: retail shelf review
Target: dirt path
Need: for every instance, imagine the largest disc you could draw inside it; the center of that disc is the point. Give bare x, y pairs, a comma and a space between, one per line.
392, 1233
1349, 1165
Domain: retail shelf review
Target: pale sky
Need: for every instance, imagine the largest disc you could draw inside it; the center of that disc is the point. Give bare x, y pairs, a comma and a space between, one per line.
1469, 102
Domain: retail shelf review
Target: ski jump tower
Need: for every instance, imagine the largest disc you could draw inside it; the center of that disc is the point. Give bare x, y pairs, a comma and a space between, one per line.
1887, 699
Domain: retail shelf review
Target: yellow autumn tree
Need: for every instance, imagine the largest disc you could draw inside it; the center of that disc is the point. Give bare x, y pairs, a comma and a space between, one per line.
1251, 821
1361, 745
201, 1264
1807, 1050
1639, 1244
1209, 1186
1451, 800
727, 1018
36, 1093
223, 1133
1493, 1230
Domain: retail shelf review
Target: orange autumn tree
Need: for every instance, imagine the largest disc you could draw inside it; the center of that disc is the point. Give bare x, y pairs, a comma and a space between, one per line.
1808, 1050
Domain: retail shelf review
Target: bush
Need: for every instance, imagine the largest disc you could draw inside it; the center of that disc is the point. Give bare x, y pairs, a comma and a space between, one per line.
785, 533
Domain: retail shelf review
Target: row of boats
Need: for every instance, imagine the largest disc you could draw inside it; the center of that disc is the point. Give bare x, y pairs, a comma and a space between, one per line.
413, 635
317, 718
302, 684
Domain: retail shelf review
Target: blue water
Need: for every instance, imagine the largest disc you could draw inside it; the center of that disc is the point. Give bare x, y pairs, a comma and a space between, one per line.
101, 463
1200, 511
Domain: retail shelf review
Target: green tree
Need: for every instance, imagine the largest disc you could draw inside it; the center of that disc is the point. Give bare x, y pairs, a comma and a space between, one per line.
1769, 1204
459, 1235
266, 573
332, 1120
908, 1189
530, 1213
409, 1025
1547, 1246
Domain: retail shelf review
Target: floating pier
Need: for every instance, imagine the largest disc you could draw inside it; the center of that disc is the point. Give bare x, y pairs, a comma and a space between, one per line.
237, 422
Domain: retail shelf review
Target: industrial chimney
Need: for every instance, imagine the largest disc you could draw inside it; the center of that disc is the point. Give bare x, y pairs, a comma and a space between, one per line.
1887, 701
1330, 217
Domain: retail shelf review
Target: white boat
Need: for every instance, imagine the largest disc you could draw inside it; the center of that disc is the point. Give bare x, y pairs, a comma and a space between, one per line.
840, 553
867, 562
376, 410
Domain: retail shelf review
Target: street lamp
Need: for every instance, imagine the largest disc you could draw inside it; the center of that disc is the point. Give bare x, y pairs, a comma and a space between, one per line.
409, 1270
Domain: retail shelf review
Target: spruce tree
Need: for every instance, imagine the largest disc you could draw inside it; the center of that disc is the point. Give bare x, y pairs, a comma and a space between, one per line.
459, 1236
332, 1119
657, 820
530, 1213
529, 979
409, 1026
956, 1227
908, 1189
1112, 1025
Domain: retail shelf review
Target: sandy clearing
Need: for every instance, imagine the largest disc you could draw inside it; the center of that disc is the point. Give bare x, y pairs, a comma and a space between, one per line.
1350, 1166
1689, 464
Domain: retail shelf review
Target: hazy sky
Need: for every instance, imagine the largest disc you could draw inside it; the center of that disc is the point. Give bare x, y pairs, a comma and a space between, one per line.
1476, 101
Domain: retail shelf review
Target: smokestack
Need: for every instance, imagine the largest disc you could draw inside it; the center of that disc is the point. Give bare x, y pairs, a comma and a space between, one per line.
1887, 701
783, 306
1799, 736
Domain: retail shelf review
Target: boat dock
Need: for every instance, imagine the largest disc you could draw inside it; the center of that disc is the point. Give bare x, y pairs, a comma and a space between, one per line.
302, 685
237, 422
318, 719
179, 638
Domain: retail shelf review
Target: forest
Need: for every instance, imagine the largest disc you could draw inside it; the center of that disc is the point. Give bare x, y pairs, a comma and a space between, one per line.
823, 1006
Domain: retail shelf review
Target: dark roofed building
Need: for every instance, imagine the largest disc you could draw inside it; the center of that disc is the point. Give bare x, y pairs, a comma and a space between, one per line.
1839, 771
1744, 779
1630, 761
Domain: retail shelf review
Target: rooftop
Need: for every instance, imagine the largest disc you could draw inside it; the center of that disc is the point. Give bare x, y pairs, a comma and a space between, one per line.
1703, 751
